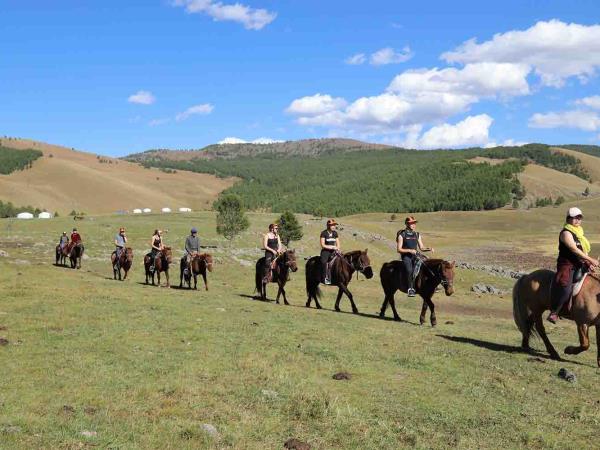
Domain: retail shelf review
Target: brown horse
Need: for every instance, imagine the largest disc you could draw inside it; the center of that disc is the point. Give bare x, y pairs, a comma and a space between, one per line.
341, 274
433, 273
61, 255
161, 264
199, 265
283, 264
531, 298
124, 262
76, 254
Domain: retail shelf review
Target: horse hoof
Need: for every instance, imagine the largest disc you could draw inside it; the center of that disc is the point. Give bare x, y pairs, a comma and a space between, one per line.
570, 350
355, 311
397, 319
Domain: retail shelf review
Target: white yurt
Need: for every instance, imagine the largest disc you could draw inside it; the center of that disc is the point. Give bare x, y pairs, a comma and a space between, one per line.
185, 209
44, 215
137, 211
166, 210
24, 215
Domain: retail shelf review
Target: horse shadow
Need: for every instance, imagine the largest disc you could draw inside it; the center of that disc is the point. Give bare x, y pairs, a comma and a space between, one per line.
511, 349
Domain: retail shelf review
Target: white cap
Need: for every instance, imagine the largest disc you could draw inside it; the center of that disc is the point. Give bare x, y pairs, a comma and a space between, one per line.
574, 212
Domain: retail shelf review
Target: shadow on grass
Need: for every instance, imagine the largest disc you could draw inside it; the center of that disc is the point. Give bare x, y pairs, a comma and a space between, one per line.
496, 347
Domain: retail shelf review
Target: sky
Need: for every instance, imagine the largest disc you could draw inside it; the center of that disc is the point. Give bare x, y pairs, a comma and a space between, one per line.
115, 77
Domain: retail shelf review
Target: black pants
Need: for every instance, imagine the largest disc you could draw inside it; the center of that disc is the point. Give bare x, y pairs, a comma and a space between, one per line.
269, 257
153, 254
409, 267
325, 257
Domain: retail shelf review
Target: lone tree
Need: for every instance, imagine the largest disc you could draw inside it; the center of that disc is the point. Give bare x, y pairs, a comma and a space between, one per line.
289, 228
231, 219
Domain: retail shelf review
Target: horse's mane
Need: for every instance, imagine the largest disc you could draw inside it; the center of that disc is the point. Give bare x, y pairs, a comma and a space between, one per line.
352, 253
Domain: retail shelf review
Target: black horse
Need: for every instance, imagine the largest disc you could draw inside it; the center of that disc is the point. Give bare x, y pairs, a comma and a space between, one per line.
342, 270
76, 254
433, 273
279, 274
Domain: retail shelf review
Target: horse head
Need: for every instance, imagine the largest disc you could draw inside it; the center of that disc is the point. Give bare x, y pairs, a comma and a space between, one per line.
290, 260
360, 262
128, 254
168, 254
447, 276
206, 258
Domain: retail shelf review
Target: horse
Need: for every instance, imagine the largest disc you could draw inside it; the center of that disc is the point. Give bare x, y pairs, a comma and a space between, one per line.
161, 264
76, 254
125, 262
342, 270
199, 265
531, 298
433, 273
283, 264
61, 256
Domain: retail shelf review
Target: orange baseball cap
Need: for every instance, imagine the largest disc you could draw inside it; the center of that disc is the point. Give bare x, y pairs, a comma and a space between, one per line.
410, 219
331, 222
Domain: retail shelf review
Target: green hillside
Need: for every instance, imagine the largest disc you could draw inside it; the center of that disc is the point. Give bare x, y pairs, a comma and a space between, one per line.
12, 159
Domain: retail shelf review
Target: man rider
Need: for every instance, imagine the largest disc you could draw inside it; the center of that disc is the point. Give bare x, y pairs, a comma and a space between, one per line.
573, 249
192, 248
120, 242
409, 243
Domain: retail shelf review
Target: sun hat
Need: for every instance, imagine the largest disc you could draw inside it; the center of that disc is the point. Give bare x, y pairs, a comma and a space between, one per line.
574, 212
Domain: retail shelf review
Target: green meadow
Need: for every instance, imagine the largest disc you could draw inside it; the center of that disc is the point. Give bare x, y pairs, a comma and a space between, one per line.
91, 362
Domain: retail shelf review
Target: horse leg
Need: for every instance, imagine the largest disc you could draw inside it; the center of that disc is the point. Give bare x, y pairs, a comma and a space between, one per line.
205, 281
539, 327
423, 312
195, 282
125, 275
284, 296
167, 277
278, 292
384, 305
350, 297
431, 306
337, 299
584, 341
180, 277
393, 305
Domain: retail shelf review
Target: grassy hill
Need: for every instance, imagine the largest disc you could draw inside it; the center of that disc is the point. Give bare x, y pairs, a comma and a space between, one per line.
65, 179
91, 362
590, 162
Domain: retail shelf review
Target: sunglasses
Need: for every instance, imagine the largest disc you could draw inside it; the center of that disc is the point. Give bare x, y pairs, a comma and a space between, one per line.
578, 217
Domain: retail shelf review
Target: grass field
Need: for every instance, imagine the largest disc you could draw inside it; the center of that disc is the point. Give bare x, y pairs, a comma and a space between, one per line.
95, 363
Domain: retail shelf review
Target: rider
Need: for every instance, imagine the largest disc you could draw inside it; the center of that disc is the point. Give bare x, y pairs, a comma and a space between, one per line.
120, 242
75, 239
272, 247
408, 244
330, 245
156, 247
63, 241
573, 249
192, 248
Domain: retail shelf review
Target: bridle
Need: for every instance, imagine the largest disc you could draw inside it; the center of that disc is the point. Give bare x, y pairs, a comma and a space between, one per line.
439, 275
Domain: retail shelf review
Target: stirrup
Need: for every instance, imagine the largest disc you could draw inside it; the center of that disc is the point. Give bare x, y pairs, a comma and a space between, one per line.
411, 292
553, 318
327, 281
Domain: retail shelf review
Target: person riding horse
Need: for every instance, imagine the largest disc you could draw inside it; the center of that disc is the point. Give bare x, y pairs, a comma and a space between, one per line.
272, 247
192, 248
75, 239
408, 244
330, 246
120, 242
156, 247
573, 249
63, 241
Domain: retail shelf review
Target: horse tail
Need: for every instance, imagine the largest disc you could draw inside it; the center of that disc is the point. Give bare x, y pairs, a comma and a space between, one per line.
520, 310
258, 275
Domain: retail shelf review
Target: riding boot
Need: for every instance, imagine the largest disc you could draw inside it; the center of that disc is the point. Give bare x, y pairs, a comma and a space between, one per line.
560, 296
411, 286
327, 279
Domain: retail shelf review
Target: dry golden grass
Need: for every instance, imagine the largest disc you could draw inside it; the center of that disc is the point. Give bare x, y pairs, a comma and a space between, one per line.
77, 180
540, 181
589, 162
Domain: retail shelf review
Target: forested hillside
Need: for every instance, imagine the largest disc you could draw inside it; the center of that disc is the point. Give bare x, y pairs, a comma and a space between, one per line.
391, 180
593, 150
12, 159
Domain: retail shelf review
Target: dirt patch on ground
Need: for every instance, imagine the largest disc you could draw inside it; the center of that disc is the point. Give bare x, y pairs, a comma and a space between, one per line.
505, 257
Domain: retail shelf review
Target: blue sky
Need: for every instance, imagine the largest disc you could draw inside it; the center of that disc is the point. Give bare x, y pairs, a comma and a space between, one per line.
117, 77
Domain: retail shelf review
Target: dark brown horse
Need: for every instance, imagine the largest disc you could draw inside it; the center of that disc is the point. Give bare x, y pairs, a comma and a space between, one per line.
61, 255
125, 262
282, 266
433, 273
342, 270
161, 264
76, 254
199, 265
531, 298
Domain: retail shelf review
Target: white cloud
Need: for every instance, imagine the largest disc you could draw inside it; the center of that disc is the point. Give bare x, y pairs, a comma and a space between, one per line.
470, 132
202, 109
315, 105
591, 102
582, 120
356, 60
142, 98
157, 122
235, 140
390, 56
556, 50
251, 18
506, 143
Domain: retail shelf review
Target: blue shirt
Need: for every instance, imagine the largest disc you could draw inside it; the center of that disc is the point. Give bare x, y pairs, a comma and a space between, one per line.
120, 240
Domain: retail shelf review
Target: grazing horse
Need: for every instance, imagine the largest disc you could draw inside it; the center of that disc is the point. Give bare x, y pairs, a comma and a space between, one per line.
282, 266
199, 265
124, 262
76, 254
342, 270
531, 298
161, 264
433, 273
61, 256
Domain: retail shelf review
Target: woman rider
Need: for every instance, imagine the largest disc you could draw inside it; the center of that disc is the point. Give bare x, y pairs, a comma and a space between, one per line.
156, 247
272, 247
573, 249
330, 244
408, 243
